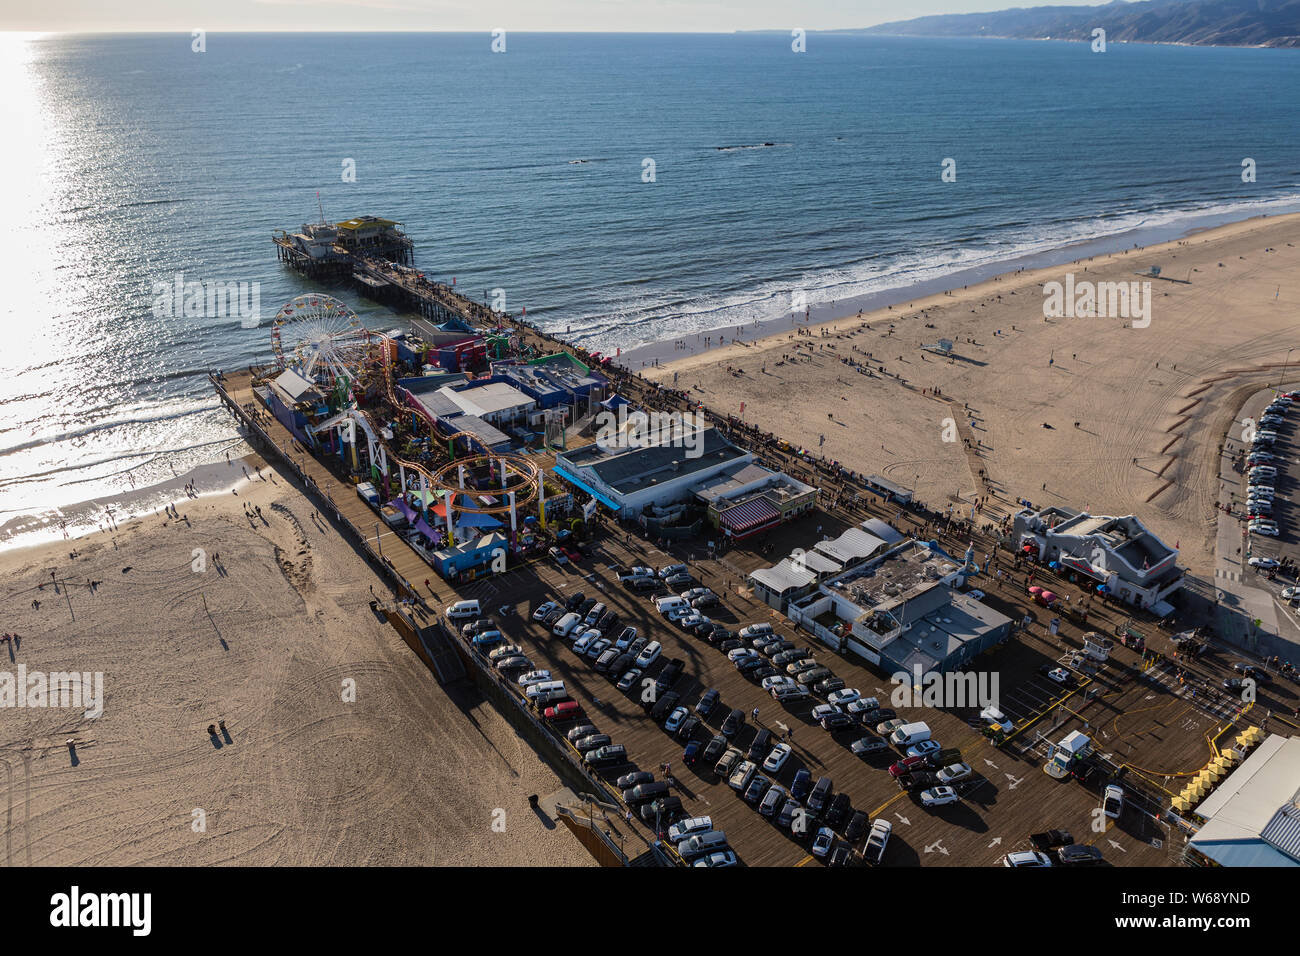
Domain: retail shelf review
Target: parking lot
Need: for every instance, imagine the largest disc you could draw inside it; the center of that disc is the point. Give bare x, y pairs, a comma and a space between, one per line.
1134, 717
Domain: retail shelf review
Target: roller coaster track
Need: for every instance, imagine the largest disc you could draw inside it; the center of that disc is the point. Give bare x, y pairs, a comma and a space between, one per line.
524, 472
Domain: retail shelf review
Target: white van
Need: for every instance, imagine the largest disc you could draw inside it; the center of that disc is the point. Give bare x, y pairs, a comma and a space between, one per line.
463, 610
665, 604
702, 843
910, 734
544, 691
565, 625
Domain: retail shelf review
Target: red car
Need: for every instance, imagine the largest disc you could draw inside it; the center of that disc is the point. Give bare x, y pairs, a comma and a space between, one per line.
908, 765
574, 556
565, 711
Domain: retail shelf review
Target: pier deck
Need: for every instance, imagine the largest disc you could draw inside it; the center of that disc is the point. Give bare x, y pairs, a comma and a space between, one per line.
1010, 797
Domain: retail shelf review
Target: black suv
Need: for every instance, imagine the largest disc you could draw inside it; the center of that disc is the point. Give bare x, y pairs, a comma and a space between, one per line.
668, 676
839, 809
731, 726
821, 795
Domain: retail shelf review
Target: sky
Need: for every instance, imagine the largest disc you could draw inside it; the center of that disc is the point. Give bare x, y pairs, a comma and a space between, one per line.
636, 16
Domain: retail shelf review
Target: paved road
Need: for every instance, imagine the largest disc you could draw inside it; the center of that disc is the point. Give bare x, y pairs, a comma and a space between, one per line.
1252, 613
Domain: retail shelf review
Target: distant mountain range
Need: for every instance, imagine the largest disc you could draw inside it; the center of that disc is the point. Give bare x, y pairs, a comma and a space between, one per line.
1272, 23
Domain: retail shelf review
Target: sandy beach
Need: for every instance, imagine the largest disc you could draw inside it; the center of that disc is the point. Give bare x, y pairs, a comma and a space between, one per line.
1152, 403
265, 628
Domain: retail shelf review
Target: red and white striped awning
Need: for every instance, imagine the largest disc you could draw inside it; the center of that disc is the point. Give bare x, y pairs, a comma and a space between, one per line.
749, 518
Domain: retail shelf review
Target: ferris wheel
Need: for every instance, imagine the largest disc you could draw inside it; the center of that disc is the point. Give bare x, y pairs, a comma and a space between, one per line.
317, 335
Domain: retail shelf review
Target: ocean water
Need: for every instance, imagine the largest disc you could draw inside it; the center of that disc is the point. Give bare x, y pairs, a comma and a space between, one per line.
132, 159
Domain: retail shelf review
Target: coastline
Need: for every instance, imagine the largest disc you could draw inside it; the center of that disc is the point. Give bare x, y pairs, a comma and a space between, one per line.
111, 512
1087, 413
969, 279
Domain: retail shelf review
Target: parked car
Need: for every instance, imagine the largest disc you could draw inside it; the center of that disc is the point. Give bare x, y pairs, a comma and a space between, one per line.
874, 852
757, 788
789, 693
857, 826
663, 809
773, 800
629, 679
844, 696
760, 745
924, 748
838, 810
684, 828
909, 765
544, 609
829, 685
691, 753
801, 785
742, 773
645, 792
731, 726
1079, 854
1112, 801
1050, 839
824, 710
675, 719
785, 816
938, 796
714, 749
567, 710
649, 655
822, 843
954, 773
687, 729
837, 722
669, 675
1027, 858
727, 762
918, 780
606, 755
634, 779
708, 700
865, 746
777, 758
820, 796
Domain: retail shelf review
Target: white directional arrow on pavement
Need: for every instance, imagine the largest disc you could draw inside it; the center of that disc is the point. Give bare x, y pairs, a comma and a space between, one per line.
1117, 846
906, 822
1014, 782
996, 841
990, 763
937, 844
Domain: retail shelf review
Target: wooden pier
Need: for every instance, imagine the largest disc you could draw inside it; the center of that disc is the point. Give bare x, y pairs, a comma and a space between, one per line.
383, 270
